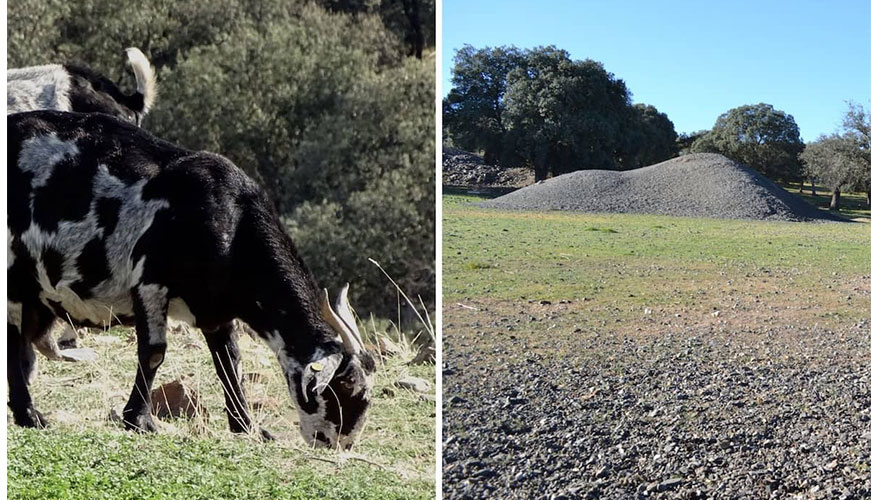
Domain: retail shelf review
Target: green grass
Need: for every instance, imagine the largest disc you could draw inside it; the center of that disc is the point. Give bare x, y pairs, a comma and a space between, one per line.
60, 464
85, 454
621, 263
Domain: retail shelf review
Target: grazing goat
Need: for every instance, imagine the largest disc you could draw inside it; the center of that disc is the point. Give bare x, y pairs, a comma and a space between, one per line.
76, 88
68, 87
106, 220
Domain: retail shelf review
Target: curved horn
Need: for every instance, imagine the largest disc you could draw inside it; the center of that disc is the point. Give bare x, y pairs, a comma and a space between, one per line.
350, 343
345, 312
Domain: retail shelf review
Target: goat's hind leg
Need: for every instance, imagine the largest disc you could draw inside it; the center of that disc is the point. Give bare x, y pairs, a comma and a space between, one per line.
222, 343
150, 311
33, 324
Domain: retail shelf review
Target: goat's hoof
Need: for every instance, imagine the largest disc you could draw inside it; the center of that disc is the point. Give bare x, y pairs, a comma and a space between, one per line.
140, 422
30, 417
266, 435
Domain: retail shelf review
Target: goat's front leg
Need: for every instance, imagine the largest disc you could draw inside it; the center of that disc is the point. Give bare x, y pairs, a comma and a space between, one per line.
222, 343
150, 314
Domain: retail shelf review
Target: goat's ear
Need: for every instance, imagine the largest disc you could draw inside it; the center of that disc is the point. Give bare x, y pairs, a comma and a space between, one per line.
319, 372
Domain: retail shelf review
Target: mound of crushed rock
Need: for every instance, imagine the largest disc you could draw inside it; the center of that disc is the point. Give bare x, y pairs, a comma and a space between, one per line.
695, 185
464, 169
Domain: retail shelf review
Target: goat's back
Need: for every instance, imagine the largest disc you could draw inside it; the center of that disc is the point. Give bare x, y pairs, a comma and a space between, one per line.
97, 205
38, 87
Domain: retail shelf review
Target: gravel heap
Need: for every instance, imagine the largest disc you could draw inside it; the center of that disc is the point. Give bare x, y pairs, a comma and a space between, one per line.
774, 413
695, 185
464, 169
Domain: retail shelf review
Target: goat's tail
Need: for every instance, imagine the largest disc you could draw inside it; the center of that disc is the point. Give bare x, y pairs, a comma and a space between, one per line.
145, 74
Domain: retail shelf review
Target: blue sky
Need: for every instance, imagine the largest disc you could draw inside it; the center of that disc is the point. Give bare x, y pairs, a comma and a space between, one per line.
694, 60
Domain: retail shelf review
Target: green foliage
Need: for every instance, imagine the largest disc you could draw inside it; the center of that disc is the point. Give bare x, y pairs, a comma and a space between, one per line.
651, 137
759, 136
474, 108
837, 162
539, 108
684, 141
565, 115
843, 162
411, 20
321, 107
858, 123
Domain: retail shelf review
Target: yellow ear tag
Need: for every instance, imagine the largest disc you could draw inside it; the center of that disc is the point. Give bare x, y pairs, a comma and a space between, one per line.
316, 367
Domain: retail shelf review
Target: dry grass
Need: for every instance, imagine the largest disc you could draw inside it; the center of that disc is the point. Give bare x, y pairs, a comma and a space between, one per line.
85, 399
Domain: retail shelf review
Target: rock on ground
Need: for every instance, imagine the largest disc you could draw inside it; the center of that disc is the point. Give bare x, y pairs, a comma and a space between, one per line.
772, 412
465, 169
175, 399
415, 384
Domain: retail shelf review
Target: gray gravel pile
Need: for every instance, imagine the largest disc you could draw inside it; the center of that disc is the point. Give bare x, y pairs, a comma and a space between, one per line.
695, 185
771, 413
464, 169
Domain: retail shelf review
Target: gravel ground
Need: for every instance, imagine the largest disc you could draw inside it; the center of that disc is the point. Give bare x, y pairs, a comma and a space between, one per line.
692, 412
696, 185
463, 169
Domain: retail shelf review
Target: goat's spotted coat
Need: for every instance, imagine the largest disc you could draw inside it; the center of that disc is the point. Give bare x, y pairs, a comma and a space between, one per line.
76, 88
70, 87
108, 224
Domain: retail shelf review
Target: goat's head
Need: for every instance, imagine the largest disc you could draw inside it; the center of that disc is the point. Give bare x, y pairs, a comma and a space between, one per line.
333, 391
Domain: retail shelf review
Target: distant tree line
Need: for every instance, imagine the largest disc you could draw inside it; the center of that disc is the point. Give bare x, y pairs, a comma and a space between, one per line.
540, 109
328, 104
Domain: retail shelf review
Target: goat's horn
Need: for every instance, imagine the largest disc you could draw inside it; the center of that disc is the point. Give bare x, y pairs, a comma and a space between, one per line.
349, 341
345, 313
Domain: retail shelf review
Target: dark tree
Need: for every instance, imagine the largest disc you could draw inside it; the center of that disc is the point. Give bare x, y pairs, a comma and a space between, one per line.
322, 108
843, 162
565, 115
474, 108
541, 109
686, 140
837, 162
857, 124
651, 137
411, 20
759, 136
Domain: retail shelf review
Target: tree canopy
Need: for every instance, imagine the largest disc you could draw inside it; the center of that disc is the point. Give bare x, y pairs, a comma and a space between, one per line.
324, 104
474, 108
652, 138
842, 161
541, 109
759, 136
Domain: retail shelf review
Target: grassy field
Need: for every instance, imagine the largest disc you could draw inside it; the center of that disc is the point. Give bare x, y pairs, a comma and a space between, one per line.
616, 266
84, 454
710, 348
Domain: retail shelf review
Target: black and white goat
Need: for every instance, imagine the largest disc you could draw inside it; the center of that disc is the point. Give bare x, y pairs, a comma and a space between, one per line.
68, 87
106, 220
76, 88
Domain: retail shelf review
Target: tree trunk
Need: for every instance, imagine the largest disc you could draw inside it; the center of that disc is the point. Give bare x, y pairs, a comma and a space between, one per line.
540, 173
417, 37
869, 198
813, 192
836, 199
